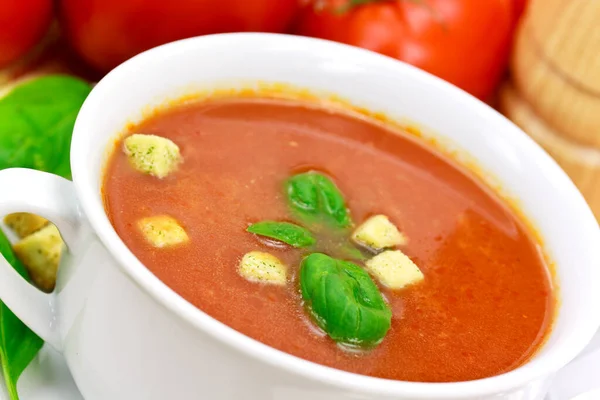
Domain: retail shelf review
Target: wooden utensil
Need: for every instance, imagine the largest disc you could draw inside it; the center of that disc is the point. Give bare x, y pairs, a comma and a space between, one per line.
556, 66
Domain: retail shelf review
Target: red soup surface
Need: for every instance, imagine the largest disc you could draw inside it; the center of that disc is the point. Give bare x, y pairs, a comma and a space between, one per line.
483, 308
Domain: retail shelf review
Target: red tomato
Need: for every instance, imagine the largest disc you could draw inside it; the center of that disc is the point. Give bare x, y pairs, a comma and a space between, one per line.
23, 23
465, 42
107, 32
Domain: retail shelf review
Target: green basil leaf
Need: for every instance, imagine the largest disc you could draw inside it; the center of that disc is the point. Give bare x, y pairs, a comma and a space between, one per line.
36, 123
18, 344
344, 300
314, 198
286, 232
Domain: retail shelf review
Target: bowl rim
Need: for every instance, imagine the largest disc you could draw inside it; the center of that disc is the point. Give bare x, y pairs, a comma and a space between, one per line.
163, 295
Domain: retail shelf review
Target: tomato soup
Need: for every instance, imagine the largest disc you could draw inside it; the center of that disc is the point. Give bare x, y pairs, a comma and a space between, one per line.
478, 303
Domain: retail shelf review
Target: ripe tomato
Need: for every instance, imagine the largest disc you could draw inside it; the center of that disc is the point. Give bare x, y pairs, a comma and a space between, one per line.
465, 42
107, 32
23, 23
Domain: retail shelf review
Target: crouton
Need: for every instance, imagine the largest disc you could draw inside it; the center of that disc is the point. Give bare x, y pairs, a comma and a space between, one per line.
40, 252
162, 231
151, 154
262, 267
394, 269
24, 224
378, 233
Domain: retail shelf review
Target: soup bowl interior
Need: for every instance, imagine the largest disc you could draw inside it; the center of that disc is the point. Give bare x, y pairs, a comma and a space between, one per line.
510, 162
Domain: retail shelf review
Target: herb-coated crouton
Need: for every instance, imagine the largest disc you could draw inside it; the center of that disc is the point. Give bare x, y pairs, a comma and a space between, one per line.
151, 154
162, 231
40, 252
394, 269
24, 224
378, 233
262, 267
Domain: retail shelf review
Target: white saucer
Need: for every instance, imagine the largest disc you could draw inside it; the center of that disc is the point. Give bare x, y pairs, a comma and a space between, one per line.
47, 378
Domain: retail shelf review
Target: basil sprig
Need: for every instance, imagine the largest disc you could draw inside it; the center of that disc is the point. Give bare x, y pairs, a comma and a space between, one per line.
340, 296
344, 300
314, 198
289, 233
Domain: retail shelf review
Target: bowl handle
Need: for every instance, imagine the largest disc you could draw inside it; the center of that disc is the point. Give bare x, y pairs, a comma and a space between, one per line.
52, 197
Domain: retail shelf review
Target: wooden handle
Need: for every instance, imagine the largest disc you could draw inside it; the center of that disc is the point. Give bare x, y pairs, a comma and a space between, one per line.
556, 65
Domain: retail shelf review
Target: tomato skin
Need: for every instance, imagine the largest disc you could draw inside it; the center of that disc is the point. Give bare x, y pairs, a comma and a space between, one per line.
23, 23
465, 42
107, 32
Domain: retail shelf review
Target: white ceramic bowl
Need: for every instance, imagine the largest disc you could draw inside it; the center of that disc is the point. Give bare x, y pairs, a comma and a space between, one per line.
126, 335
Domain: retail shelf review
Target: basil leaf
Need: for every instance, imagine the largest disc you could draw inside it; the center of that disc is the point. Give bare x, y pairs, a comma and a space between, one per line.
344, 300
286, 232
18, 344
36, 123
314, 198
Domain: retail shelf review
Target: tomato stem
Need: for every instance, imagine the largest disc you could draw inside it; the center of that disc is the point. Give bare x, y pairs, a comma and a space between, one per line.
351, 4
357, 3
